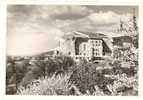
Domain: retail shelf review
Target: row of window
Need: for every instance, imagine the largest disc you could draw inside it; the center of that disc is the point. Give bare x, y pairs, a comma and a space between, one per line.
82, 58
95, 54
82, 54
84, 48
96, 44
96, 41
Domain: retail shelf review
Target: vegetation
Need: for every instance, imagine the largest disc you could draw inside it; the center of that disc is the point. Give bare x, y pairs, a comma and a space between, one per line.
22, 72
55, 85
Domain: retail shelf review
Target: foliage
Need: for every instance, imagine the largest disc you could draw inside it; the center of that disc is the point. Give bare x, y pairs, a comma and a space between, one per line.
50, 76
123, 85
85, 77
60, 85
23, 72
55, 85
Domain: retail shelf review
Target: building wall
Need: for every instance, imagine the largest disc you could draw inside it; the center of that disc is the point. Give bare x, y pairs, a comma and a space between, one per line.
70, 46
78, 48
96, 47
86, 47
92, 47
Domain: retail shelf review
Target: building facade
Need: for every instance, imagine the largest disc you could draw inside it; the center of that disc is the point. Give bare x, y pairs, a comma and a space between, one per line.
86, 45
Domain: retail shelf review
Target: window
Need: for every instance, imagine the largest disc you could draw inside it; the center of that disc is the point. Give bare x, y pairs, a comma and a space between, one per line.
57, 52
69, 53
93, 45
84, 47
96, 54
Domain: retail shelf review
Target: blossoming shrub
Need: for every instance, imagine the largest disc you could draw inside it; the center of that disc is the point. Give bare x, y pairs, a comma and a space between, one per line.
123, 85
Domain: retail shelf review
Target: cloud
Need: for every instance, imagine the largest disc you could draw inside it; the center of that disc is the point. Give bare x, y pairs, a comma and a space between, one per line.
104, 18
101, 21
43, 16
71, 12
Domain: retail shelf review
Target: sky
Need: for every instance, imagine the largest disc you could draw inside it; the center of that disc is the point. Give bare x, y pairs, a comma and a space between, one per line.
33, 29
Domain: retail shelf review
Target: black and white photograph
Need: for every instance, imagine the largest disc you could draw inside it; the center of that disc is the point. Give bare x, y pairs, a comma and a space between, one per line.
72, 50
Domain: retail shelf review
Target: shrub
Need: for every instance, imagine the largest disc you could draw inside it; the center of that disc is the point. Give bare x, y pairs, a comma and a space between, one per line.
124, 85
85, 77
55, 85
65, 63
56, 64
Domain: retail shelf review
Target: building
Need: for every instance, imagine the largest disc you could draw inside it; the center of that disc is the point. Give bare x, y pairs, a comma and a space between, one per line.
86, 45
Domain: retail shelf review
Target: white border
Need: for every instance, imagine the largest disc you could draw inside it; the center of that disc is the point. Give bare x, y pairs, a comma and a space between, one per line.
75, 2
140, 50
2, 47
44, 2
72, 1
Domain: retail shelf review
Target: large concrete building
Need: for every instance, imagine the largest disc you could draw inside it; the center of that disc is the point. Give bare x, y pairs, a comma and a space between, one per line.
85, 45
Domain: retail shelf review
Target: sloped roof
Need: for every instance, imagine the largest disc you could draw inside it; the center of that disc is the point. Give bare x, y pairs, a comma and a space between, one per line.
86, 34
93, 35
109, 43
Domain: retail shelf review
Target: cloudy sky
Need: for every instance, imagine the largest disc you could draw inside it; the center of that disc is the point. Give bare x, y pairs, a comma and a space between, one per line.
34, 29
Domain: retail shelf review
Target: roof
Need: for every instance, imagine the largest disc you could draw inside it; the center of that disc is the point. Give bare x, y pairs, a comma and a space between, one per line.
93, 35
85, 34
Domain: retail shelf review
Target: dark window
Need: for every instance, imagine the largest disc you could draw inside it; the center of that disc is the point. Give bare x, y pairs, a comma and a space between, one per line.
96, 54
57, 52
69, 53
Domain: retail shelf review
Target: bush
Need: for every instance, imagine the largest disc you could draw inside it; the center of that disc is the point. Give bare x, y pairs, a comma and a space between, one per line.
65, 63
85, 77
56, 64
55, 85
124, 85
44, 68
